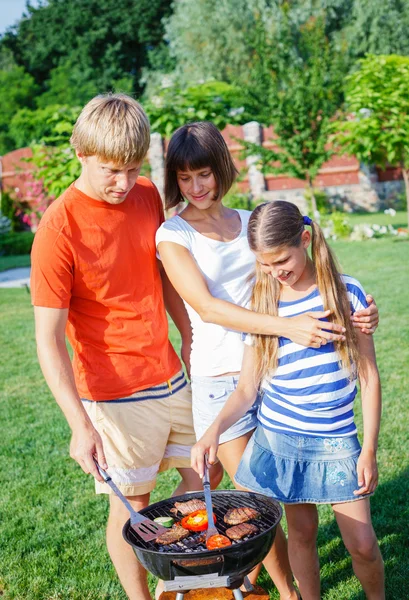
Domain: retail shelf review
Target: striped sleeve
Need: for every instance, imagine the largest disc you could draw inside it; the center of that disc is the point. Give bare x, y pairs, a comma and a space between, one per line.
356, 293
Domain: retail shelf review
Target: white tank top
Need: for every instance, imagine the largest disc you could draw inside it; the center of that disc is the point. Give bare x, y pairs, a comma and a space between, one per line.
225, 267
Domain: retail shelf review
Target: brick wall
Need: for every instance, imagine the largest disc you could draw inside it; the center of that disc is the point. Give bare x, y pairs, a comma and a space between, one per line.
346, 182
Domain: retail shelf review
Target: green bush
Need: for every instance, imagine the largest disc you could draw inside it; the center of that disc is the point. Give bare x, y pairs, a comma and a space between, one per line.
8, 208
5, 224
321, 198
336, 225
396, 201
237, 200
15, 243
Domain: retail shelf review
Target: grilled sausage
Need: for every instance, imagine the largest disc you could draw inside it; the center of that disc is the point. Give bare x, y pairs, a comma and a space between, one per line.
235, 516
240, 531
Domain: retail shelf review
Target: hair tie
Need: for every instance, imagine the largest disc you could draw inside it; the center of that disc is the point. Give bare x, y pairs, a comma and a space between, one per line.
307, 220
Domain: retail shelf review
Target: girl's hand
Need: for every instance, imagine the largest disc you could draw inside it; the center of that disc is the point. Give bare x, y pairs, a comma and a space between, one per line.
367, 471
208, 444
367, 320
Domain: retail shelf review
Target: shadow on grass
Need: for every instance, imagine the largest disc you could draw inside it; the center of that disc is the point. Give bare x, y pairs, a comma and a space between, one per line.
390, 517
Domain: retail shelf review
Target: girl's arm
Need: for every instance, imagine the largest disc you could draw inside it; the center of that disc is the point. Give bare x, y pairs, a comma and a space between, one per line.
188, 281
371, 411
236, 406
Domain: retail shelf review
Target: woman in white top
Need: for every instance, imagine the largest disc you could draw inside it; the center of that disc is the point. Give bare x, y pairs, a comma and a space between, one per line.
207, 258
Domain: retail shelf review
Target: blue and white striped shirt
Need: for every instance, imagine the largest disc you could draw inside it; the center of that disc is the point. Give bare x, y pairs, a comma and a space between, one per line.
310, 393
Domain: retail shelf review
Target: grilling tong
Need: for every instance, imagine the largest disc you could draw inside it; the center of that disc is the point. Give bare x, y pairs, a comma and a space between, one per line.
147, 529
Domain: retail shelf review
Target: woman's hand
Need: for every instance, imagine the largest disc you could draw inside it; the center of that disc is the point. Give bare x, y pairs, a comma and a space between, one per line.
367, 471
367, 320
208, 444
308, 330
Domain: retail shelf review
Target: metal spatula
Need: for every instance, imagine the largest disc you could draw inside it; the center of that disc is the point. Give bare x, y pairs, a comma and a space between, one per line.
147, 529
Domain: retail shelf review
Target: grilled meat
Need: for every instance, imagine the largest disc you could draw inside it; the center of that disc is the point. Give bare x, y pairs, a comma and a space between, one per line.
235, 516
175, 534
185, 508
240, 531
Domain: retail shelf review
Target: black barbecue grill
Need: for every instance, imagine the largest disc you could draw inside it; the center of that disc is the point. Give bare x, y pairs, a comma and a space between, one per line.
189, 559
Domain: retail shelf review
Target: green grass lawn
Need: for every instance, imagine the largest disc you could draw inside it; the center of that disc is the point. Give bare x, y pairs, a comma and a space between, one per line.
52, 525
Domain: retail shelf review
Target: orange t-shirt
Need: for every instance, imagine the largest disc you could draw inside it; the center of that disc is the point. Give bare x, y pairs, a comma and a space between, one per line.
99, 261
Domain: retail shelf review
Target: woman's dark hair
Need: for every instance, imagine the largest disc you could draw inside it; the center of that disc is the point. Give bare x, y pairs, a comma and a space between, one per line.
196, 146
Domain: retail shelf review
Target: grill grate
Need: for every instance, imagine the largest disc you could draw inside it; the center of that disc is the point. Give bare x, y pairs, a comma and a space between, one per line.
222, 502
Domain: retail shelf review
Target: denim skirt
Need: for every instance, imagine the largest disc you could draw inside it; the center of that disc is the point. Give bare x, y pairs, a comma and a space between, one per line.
297, 469
209, 395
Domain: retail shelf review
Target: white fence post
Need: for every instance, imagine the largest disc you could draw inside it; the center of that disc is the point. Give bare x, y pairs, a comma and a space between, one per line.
252, 133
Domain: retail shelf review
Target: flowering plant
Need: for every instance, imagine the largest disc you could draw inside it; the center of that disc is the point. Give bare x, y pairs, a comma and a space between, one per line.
337, 225
31, 202
366, 231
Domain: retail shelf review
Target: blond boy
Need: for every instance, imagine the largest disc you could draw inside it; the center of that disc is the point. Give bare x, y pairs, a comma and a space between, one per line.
95, 277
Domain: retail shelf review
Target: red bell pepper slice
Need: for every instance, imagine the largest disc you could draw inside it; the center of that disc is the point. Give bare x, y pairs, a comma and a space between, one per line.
196, 521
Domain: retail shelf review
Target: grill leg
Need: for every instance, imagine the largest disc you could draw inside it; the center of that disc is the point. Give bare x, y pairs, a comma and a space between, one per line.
237, 595
180, 595
247, 584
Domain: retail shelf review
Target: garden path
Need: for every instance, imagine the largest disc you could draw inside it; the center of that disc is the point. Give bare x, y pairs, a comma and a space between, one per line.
15, 278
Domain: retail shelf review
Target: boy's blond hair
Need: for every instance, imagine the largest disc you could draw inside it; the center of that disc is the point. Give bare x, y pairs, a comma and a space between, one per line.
113, 127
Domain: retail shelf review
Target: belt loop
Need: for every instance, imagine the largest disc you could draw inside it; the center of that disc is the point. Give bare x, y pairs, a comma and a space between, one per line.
169, 386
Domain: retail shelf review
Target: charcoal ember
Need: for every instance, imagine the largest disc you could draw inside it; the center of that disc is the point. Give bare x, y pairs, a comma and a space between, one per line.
235, 516
185, 508
175, 534
240, 531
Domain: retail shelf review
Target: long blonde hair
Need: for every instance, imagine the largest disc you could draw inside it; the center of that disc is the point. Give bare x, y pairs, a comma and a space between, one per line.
278, 224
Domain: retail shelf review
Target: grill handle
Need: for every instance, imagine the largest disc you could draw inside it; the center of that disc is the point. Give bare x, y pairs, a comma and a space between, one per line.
197, 561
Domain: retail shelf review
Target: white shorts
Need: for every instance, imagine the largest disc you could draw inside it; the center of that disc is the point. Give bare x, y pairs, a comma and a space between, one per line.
209, 395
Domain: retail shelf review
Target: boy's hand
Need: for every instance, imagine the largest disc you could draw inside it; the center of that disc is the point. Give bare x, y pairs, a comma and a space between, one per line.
85, 444
367, 320
367, 471
208, 444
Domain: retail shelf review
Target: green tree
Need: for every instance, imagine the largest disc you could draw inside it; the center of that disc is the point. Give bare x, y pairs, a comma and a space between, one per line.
68, 84
375, 127
56, 163
208, 38
304, 89
44, 125
106, 40
378, 27
214, 101
17, 89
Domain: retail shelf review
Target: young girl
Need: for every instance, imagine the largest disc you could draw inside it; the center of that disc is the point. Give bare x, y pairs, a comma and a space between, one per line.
207, 258
305, 450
